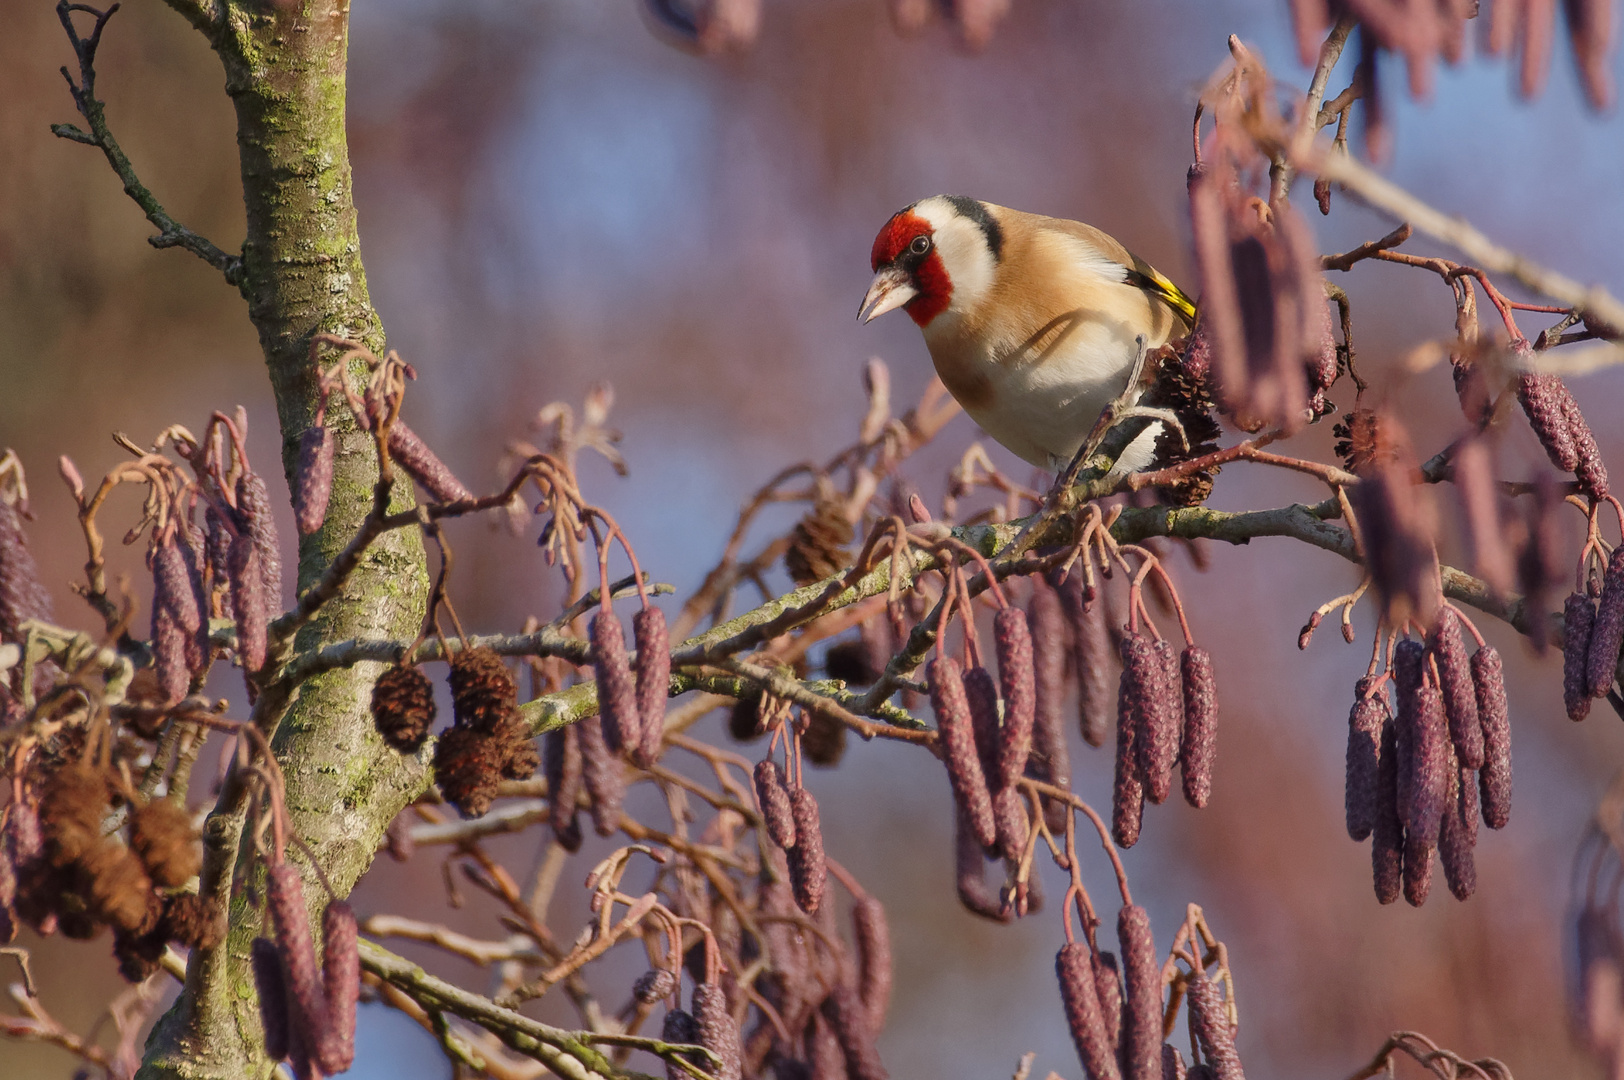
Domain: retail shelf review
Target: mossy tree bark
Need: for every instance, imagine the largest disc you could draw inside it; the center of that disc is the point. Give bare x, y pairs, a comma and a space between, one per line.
302, 274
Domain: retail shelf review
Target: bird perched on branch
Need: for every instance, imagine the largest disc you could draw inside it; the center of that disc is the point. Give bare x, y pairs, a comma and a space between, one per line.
1035, 324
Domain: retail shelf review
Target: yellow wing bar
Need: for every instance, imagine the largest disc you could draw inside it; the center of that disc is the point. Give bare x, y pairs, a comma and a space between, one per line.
1157, 285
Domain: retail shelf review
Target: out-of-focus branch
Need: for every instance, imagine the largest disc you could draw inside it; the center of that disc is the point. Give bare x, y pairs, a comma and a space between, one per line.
1439, 1062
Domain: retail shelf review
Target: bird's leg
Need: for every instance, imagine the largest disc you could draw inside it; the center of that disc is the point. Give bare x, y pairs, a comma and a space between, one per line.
1120, 408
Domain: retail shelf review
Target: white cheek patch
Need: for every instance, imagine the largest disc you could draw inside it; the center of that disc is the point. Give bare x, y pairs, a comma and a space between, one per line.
963, 250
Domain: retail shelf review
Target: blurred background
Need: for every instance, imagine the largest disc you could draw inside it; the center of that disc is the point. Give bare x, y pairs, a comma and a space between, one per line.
551, 196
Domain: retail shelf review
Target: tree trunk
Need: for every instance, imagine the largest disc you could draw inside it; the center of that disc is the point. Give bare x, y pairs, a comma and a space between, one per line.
285, 72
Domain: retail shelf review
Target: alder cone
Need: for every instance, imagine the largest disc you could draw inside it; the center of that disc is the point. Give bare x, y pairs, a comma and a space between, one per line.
162, 835
823, 739
119, 892
617, 690
483, 694
72, 804
953, 723
1142, 1005
1365, 722
1012, 639
1080, 998
1607, 636
774, 800
1387, 831
808, 869
1494, 779
1210, 1023
653, 680
679, 1028
403, 708
1198, 748
1455, 680
468, 768
1578, 620
653, 986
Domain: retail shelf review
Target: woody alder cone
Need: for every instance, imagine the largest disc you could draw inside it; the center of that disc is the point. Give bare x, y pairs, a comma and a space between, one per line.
403, 707
482, 691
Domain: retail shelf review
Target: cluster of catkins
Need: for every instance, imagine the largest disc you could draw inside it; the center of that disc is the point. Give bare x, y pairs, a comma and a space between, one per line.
1418, 778
1592, 637
1116, 1014
1560, 426
61, 870
1167, 714
307, 1009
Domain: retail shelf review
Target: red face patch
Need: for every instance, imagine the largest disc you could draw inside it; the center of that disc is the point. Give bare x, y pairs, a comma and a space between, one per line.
928, 274
894, 239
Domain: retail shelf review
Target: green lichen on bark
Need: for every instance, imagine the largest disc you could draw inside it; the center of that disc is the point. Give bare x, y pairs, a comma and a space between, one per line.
301, 275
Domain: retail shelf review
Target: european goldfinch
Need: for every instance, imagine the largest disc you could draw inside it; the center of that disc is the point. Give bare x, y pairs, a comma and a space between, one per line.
1033, 323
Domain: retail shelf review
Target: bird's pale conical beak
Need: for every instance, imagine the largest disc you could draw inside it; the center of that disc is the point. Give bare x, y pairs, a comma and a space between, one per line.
891, 289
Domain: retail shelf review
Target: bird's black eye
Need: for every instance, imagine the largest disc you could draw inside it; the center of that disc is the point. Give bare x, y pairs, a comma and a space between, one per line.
920, 245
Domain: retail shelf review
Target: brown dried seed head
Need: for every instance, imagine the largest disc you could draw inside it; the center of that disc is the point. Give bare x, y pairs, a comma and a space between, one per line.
953, 722
872, 934
981, 691
1012, 638
468, 768
313, 478
72, 804
1494, 779
823, 741
412, 454
1365, 722
1544, 398
271, 986
162, 835
1429, 768
561, 759
1607, 636
403, 708
852, 662
1198, 747
22, 594
1108, 986
970, 873
341, 979
1078, 995
844, 1011
1387, 831
602, 775
1009, 815
1142, 1005
483, 694
137, 954
655, 985
817, 546
118, 890
248, 601
653, 680
773, 799
188, 920
1209, 1021
1417, 870
23, 839
1578, 620
254, 515
1459, 834
617, 691
808, 871
1448, 649
520, 757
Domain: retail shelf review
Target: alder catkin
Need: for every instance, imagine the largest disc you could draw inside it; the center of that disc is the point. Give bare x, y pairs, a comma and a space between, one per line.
248, 601
1155, 736
412, 454
875, 967
1543, 398
1009, 816
1142, 1005
341, 979
1012, 638
284, 896
1365, 722
717, 1031
970, 876
1198, 748
617, 690
23, 594
1209, 1021
1588, 468
1387, 831
1607, 636
266, 964
1078, 995
847, 1018
774, 801
561, 762
1494, 779
1108, 985
958, 747
1127, 793
1417, 870
602, 774
1408, 657
1092, 656
653, 669
808, 870
169, 664
255, 516
1459, 834
981, 694
1578, 620
1429, 768
1172, 1064
313, 478
1448, 649
1049, 654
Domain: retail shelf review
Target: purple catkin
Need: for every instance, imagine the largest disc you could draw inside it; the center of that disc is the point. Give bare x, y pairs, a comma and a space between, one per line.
273, 996
1155, 736
1172, 1064
1074, 967
22, 595
679, 1028
1607, 636
1050, 762
617, 692
1417, 870
773, 798
981, 693
1544, 399
825, 1060
194, 557
172, 587
248, 602
254, 515
412, 454
313, 478
1142, 1005
808, 870
1448, 650
341, 979
844, 1011
1494, 779
1049, 653
1017, 677
1209, 1021
1408, 657
307, 1000
1127, 793
970, 873
655, 985
874, 961
601, 773
1169, 704
653, 667
1429, 769
1589, 469
1091, 653
953, 723
1459, 834
1387, 831
1398, 529
1198, 748
169, 655
561, 762
1578, 621
1365, 722
717, 1031
1009, 815
217, 556
1108, 987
